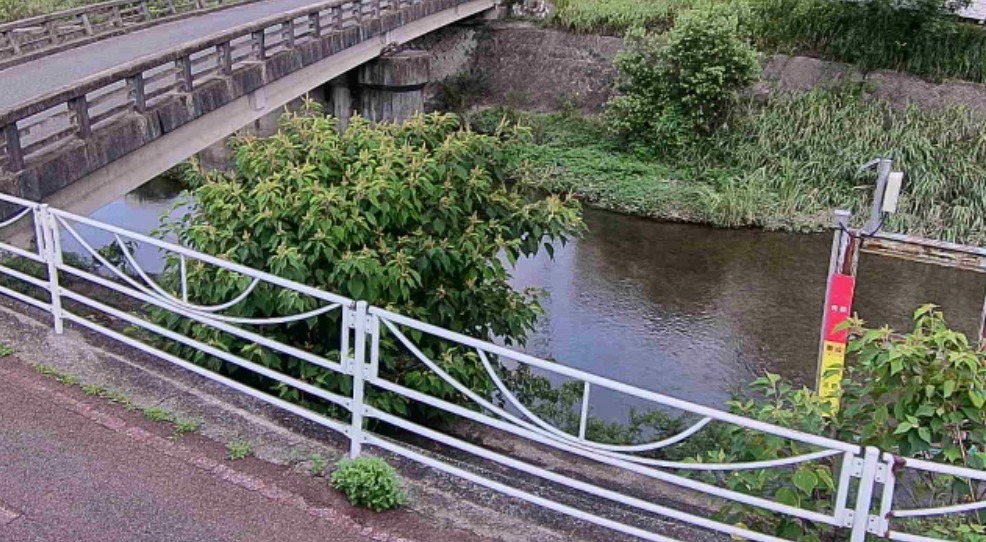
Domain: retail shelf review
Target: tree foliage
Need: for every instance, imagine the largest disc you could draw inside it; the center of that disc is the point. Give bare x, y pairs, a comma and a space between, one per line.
417, 218
684, 81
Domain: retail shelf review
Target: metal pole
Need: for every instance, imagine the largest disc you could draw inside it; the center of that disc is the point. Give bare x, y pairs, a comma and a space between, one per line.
52, 249
864, 498
840, 221
884, 167
359, 367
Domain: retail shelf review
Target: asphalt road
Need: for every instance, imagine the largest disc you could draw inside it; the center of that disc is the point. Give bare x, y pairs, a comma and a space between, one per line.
23, 82
64, 477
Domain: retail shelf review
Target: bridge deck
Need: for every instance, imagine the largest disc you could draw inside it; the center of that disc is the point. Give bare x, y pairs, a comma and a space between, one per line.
26, 81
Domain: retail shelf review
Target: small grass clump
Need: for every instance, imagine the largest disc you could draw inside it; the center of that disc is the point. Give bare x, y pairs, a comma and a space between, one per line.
157, 414
369, 482
183, 426
5, 350
238, 449
318, 464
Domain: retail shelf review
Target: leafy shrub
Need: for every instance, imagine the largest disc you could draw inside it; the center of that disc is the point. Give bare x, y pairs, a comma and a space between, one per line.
369, 482
413, 217
915, 395
684, 82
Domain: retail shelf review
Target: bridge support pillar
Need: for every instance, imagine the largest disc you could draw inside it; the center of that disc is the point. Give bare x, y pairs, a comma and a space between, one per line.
391, 88
339, 95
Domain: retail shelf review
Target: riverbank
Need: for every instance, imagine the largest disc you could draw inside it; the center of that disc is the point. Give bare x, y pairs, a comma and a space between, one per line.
783, 163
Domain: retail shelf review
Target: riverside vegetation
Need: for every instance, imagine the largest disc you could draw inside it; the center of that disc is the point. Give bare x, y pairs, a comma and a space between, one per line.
925, 38
683, 142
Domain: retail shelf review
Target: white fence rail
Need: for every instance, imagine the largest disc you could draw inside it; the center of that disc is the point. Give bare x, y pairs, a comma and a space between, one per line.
111, 294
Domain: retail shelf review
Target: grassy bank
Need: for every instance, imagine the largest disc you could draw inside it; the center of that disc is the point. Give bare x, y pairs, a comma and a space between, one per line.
781, 165
871, 36
11, 10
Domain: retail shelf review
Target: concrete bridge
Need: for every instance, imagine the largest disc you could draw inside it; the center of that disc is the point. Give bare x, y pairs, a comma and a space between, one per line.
124, 109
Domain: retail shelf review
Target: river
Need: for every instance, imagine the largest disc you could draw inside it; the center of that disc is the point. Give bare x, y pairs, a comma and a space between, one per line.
690, 311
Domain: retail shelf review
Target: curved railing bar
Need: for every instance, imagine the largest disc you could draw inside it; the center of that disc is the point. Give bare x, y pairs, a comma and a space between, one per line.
940, 511
460, 387
534, 418
272, 321
103, 261
619, 452
19, 216
169, 300
582, 444
174, 300
751, 465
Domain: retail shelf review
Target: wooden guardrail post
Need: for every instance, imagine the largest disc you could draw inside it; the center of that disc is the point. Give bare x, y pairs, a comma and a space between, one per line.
15, 153
135, 86
79, 108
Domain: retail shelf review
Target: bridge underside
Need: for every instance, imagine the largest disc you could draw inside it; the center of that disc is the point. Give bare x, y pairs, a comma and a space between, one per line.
85, 174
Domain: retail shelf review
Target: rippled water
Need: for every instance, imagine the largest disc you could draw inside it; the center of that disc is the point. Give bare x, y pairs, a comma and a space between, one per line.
690, 311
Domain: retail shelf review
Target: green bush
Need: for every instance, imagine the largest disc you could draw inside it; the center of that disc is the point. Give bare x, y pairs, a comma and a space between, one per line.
919, 394
413, 217
683, 82
369, 482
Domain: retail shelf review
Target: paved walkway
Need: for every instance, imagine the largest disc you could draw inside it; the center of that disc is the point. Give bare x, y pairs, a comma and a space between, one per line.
70, 470
25, 81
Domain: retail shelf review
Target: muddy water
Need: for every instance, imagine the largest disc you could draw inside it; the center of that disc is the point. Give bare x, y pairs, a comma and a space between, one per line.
686, 310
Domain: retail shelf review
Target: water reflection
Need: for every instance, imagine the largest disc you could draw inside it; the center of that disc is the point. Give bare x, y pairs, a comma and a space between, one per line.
696, 312
139, 211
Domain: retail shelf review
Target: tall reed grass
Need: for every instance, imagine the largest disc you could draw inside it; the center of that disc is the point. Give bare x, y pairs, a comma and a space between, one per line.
784, 164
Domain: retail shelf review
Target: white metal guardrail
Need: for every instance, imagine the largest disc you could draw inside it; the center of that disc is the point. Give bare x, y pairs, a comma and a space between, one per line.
865, 501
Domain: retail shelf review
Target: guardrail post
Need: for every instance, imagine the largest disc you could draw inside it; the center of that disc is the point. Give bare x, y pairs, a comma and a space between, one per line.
135, 86
117, 17
359, 375
80, 116
224, 58
52, 29
260, 44
315, 24
287, 33
52, 250
86, 24
864, 497
12, 36
183, 77
146, 11
171, 7
15, 154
